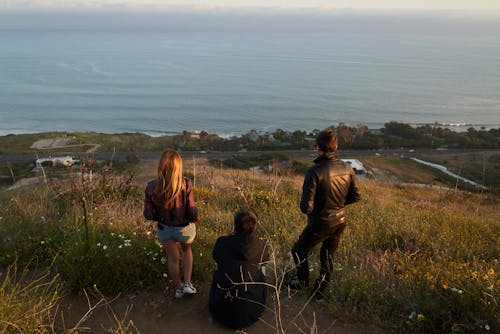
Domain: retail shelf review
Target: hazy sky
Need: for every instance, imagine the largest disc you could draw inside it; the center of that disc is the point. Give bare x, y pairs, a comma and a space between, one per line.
284, 4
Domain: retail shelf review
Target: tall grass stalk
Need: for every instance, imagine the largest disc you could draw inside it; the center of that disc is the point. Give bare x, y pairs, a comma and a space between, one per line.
28, 301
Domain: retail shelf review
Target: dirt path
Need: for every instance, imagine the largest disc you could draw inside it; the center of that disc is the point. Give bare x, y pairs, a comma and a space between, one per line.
64, 142
158, 312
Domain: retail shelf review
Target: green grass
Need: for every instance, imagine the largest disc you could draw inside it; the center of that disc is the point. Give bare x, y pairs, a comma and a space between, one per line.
124, 142
482, 167
14, 144
412, 260
11, 172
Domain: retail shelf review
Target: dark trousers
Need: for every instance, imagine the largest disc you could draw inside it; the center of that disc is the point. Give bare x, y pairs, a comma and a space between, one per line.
313, 234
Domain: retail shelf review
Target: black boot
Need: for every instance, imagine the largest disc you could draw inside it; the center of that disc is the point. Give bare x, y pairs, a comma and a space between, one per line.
292, 282
320, 289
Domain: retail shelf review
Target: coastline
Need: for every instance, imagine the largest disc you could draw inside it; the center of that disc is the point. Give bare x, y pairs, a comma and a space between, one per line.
393, 135
453, 126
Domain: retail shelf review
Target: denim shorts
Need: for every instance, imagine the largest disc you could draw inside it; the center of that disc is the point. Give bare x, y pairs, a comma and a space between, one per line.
182, 234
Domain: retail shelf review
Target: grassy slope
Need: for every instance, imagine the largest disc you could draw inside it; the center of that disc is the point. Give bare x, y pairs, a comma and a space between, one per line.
481, 166
431, 253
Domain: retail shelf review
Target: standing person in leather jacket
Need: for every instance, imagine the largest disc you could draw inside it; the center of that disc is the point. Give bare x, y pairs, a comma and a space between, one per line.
329, 185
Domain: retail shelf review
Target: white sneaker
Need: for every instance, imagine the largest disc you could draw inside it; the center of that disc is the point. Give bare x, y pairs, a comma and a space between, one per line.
178, 293
189, 289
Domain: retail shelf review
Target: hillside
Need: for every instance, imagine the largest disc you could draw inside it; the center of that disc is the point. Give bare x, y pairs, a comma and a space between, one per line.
473, 154
413, 259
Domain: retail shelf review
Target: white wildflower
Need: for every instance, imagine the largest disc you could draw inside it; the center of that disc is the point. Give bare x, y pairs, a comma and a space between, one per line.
98, 244
487, 327
165, 275
163, 260
104, 247
412, 315
154, 258
120, 246
112, 234
42, 242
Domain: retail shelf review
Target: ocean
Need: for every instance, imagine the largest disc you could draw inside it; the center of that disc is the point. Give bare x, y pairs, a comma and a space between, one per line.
162, 81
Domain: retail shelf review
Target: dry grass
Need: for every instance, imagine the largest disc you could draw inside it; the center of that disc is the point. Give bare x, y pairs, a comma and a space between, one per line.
412, 259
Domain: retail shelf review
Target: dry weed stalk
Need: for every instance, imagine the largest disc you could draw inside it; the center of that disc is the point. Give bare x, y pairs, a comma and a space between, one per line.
120, 324
279, 288
28, 301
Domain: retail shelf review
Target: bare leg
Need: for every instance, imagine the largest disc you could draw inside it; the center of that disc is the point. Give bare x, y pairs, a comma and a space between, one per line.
173, 255
187, 262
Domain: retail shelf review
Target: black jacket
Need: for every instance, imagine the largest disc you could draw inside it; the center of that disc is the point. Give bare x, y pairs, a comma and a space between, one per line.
328, 187
238, 259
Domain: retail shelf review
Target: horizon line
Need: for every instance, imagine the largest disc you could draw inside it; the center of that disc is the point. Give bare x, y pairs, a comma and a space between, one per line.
243, 9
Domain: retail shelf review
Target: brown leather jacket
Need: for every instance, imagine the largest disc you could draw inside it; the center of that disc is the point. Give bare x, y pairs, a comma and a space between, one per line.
328, 187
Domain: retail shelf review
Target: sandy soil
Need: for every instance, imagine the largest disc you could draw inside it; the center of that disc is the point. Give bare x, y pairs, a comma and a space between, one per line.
159, 312
51, 143
61, 142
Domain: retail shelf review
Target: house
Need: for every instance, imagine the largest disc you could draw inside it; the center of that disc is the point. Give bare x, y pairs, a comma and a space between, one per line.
66, 161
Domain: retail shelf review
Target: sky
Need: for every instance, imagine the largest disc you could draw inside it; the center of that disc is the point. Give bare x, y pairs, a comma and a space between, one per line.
480, 17
486, 5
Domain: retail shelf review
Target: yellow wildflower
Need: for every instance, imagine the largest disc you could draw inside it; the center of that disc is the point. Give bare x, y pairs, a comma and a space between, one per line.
420, 317
445, 286
491, 272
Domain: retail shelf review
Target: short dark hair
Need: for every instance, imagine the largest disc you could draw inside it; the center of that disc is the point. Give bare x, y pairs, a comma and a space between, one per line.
245, 222
327, 140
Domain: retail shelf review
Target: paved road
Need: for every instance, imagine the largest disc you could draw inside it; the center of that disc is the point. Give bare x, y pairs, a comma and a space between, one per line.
16, 158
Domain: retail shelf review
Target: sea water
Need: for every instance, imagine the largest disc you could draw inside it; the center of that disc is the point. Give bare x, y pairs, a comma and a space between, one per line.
228, 82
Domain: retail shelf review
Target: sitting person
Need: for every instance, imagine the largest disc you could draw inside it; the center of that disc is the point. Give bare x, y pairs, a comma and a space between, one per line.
239, 257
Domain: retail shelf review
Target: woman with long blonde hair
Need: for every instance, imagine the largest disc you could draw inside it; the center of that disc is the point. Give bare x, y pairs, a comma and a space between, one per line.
169, 201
